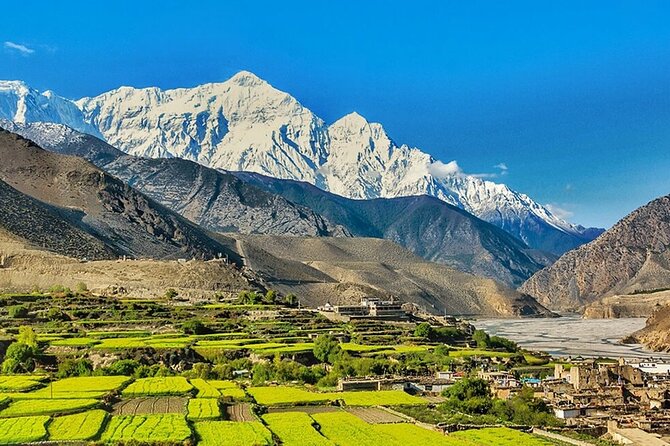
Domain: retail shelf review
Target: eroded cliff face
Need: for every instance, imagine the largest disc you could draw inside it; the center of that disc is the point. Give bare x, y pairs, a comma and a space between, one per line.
631, 257
656, 335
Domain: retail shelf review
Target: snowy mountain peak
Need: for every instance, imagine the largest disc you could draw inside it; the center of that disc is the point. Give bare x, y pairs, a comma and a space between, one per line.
246, 78
245, 124
18, 87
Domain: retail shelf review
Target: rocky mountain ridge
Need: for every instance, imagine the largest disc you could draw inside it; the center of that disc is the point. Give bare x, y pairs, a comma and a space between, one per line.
633, 257
244, 124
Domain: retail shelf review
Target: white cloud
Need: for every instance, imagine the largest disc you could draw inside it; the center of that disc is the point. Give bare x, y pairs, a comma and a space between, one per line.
503, 168
559, 211
18, 47
439, 169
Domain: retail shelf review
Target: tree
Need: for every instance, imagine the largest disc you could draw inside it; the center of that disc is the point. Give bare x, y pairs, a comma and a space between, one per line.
326, 348
468, 388
171, 294
481, 338
194, 327
424, 330
81, 288
270, 297
19, 358
74, 367
123, 367
27, 336
291, 300
18, 311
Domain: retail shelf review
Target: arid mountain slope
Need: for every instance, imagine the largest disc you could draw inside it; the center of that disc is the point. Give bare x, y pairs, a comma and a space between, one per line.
122, 219
24, 266
255, 204
428, 227
216, 200
342, 270
633, 256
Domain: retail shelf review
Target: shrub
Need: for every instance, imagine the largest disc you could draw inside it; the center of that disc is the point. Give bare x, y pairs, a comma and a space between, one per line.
194, 327
18, 311
74, 367
326, 348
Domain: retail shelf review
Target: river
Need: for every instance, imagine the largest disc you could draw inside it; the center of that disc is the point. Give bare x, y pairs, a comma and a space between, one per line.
572, 336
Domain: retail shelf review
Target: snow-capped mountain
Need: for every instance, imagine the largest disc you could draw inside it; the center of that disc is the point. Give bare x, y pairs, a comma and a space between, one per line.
244, 124
22, 104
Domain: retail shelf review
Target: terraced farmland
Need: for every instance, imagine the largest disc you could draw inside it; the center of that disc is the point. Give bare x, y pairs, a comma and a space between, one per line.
229, 433
499, 437
18, 383
78, 388
347, 430
147, 428
282, 395
78, 427
149, 405
240, 412
203, 409
172, 385
375, 415
31, 407
412, 435
295, 429
22, 430
205, 389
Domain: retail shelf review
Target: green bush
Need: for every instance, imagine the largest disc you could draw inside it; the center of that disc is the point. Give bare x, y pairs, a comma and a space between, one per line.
18, 311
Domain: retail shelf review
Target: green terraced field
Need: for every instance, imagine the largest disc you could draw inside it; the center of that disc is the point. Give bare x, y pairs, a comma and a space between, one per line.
18, 383
230, 433
78, 427
295, 429
205, 389
147, 428
413, 435
22, 430
31, 407
75, 342
78, 388
347, 430
203, 409
172, 385
284, 395
499, 436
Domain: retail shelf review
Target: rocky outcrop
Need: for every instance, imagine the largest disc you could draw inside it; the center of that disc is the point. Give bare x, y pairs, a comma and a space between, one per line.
631, 257
656, 334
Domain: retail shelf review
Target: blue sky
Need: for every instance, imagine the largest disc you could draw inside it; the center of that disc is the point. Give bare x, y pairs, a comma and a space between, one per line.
573, 97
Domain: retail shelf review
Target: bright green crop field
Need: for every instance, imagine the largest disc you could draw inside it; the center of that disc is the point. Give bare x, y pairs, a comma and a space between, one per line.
284, 395
205, 389
82, 387
172, 385
78, 427
22, 430
18, 383
200, 409
229, 433
499, 436
295, 429
413, 435
147, 428
348, 430
31, 407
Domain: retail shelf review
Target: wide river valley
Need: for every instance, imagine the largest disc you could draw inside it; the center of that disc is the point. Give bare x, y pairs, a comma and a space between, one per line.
572, 336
